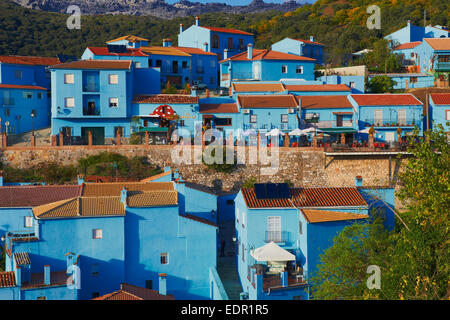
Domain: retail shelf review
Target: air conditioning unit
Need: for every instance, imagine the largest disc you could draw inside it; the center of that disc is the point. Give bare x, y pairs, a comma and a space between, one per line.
291, 110
246, 111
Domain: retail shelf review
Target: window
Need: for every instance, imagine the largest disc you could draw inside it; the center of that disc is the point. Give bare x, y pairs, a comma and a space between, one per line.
97, 234
273, 229
113, 79
158, 63
69, 102
149, 284
402, 117
413, 79
94, 269
230, 202
181, 123
69, 78
18, 74
352, 85
28, 222
253, 118
299, 69
164, 258
66, 131
7, 112
138, 64
447, 114
230, 43
39, 95
118, 130
95, 294
378, 117
113, 102
284, 118
184, 64
212, 64
215, 41
150, 63
223, 121
241, 44
283, 69
27, 95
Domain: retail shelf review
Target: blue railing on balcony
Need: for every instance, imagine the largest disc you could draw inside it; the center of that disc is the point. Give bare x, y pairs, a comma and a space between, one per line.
442, 66
392, 123
277, 236
91, 112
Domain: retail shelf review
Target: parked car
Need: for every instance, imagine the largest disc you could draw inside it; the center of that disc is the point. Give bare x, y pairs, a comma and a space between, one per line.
197, 85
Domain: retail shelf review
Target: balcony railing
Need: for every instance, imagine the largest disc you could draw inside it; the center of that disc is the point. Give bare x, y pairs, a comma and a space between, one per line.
442, 66
92, 112
277, 236
246, 76
91, 88
391, 123
328, 124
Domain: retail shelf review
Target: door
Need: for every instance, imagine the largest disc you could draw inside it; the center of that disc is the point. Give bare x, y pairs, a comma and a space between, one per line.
98, 135
339, 120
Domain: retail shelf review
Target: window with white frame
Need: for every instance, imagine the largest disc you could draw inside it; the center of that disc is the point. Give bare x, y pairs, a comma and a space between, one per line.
69, 102
28, 222
283, 69
402, 117
299, 70
352, 85
284, 118
253, 118
113, 102
164, 258
97, 234
69, 78
447, 114
138, 65
378, 117
274, 229
113, 79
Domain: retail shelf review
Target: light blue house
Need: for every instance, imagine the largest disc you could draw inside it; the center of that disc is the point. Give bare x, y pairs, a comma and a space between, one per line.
407, 52
281, 232
213, 39
408, 80
439, 110
412, 33
265, 65
434, 57
389, 114
307, 48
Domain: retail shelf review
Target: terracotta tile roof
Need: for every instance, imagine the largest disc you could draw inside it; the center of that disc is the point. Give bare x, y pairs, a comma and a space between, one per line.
309, 197
316, 216
22, 258
267, 101
130, 292
114, 189
225, 30
310, 42
7, 279
103, 51
165, 51
386, 99
318, 87
439, 43
319, 102
195, 51
198, 219
30, 60
152, 198
408, 45
267, 54
16, 86
156, 176
57, 278
440, 98
129, 38
218, 108
81, 207
96, 64
31, 196
258, 87
165, 98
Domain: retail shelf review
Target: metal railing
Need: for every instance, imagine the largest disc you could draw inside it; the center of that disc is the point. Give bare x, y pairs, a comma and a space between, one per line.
391, 123
276, 236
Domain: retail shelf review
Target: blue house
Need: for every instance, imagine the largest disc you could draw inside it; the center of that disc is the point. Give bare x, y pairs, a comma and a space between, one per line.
307, 48
391, 115
408, 80
265, 65
439, 110
407, 52
412, 33
129, 41
213, 39
434, 57
281, 232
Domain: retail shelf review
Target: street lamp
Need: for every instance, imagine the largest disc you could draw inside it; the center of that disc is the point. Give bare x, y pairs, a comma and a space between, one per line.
33, 114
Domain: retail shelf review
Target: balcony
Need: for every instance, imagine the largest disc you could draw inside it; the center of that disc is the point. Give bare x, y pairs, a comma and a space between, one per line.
277, 236
91, 111
327, 124
442, 66
22, 236
91, 88
246, 76
273, 280
377, 123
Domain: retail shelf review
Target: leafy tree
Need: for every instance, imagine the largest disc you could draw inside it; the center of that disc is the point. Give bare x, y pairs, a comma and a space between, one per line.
381, 84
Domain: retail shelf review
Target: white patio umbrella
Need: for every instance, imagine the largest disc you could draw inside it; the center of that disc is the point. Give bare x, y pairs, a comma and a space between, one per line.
249, 132
272, 252
275, 132
311, 129
366, 130
297, 132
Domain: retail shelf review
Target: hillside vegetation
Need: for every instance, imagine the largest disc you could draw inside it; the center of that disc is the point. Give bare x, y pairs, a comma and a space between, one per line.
340, 25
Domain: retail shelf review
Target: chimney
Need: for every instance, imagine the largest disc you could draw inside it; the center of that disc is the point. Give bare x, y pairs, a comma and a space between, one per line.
225, 54
80, 178
197, 21
1, 178
163, 284
409, 23
311, 38
124, 195
46, 275
181, 27
358, 181
69, 260
167, 42
18, 276
205, 47
250, 51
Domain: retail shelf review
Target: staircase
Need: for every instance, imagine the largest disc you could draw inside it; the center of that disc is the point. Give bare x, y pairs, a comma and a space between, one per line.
227, 270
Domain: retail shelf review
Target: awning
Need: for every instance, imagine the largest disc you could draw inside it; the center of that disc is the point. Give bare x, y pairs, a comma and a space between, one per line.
164, 111
154, 129
339, 130
272, 252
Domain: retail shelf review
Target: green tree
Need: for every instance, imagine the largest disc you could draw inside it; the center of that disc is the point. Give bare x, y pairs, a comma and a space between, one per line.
381, 84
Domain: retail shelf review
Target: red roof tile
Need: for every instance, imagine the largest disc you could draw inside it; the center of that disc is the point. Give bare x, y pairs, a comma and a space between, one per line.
32, 196
317, 216
96, 64
258, 87
440, 98
408, 45
165, 98
439, 43
130, 292
218, 108
318, 87
103, 51
310, 42
309, 197
267, 54
195, 51
30, 60
198, 219
386, 99
267, 101
225, 30
319, 102
7, 279
16, 86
